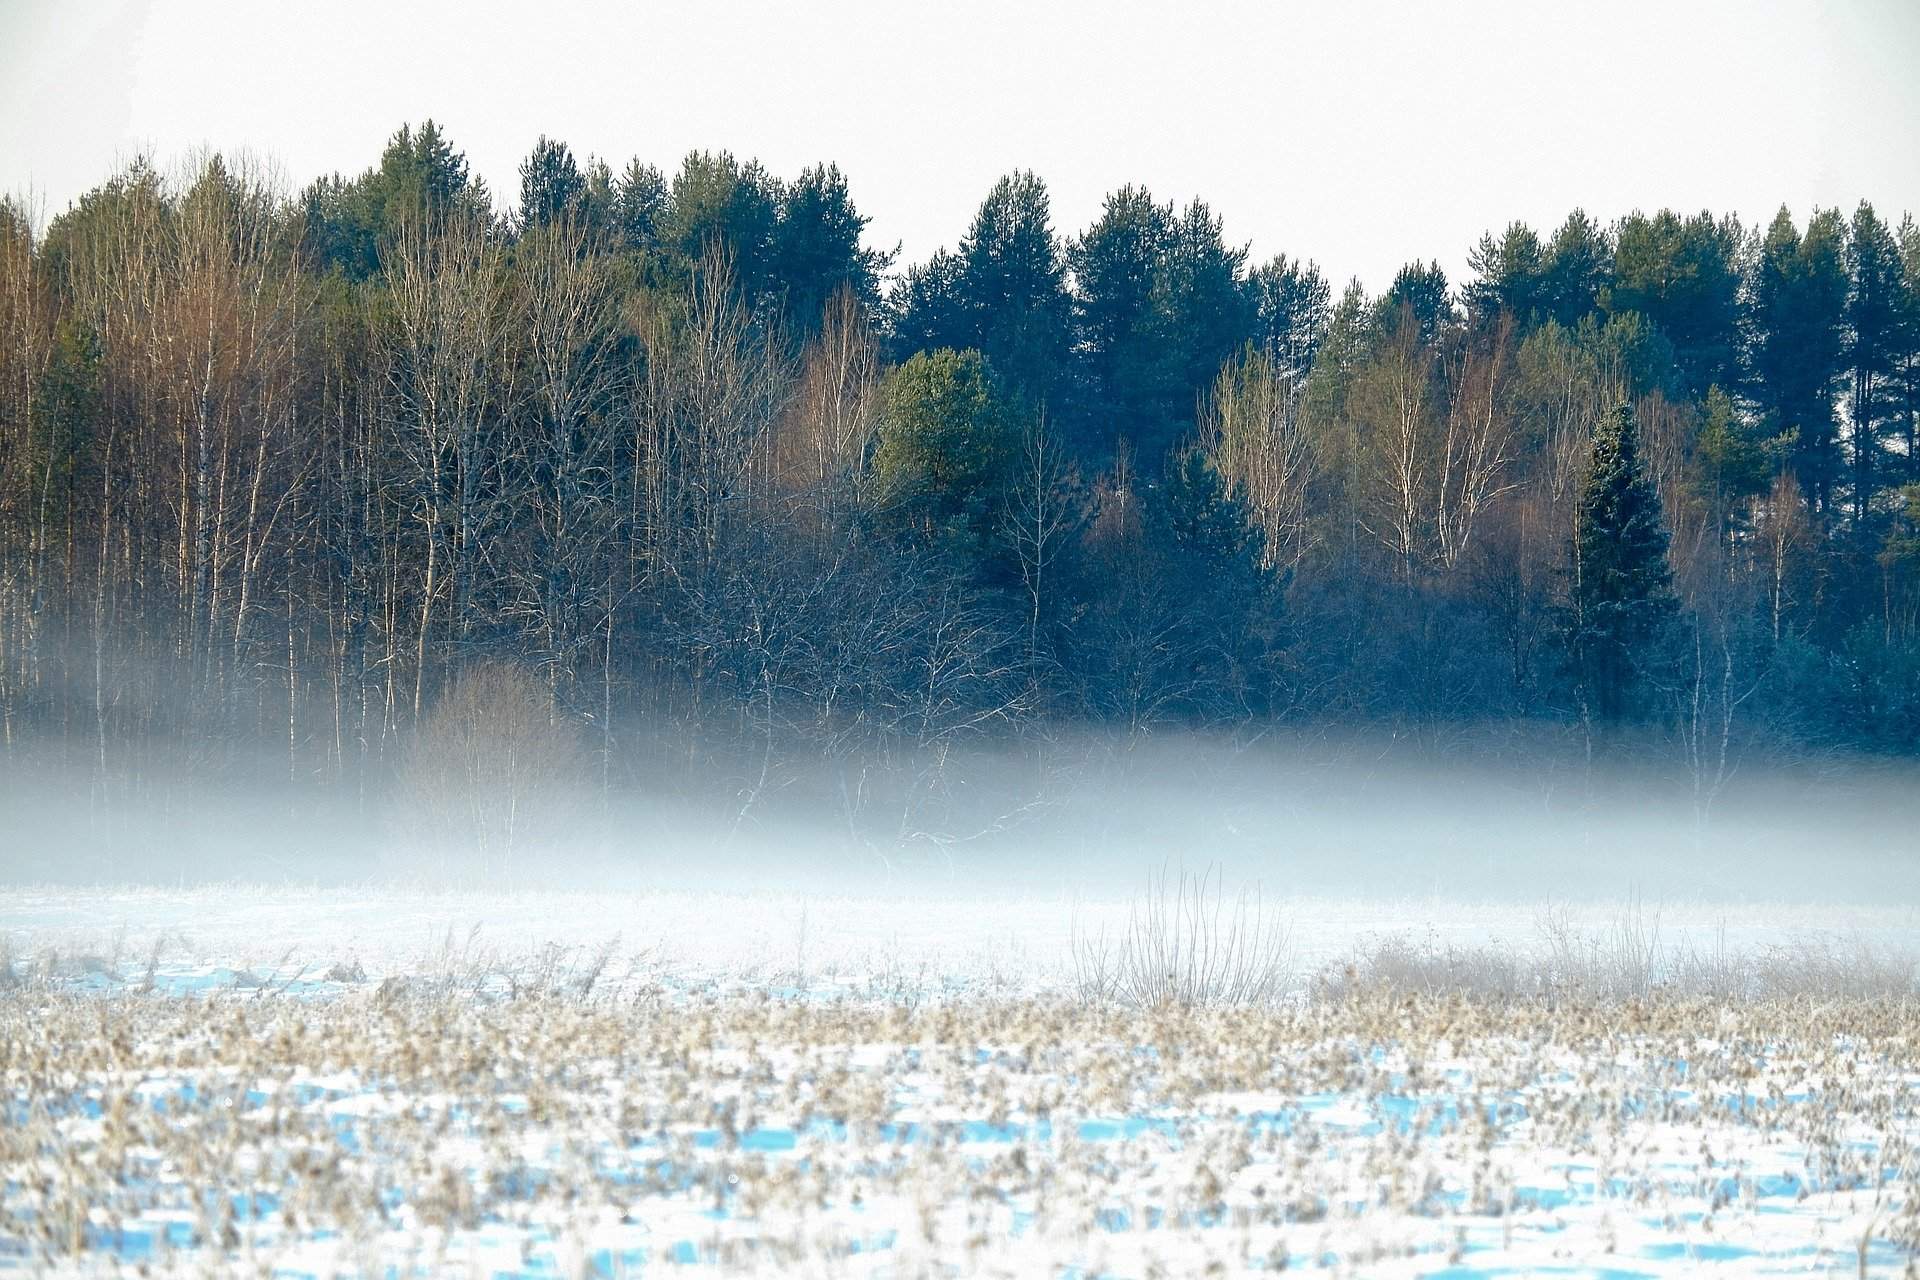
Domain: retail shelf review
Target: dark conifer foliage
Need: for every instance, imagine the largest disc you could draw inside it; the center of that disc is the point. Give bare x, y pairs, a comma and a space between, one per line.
552, 187
1622, 596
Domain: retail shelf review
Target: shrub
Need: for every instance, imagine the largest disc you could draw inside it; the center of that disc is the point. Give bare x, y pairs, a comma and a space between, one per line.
1184, 946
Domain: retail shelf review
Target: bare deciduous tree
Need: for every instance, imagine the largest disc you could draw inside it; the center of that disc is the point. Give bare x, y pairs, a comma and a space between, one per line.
567, 313
1476, 445
444, 279
1392, 401
1259, 443
1041, 518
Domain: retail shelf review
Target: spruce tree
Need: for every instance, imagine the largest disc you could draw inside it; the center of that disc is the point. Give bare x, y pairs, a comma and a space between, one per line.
1622, 586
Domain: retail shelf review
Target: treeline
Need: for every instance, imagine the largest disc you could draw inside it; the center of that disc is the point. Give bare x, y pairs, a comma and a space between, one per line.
274, 468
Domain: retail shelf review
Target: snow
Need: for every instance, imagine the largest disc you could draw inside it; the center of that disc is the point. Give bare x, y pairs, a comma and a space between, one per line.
311, 1082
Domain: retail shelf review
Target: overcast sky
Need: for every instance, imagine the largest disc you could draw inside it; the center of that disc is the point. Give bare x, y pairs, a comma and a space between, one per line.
1358, 134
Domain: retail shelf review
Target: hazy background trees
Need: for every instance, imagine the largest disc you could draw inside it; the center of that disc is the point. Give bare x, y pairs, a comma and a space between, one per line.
278, 470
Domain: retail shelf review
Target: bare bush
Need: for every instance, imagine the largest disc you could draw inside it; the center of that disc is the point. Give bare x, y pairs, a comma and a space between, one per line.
491, 778
1185, 946
1625, 960
1401, 965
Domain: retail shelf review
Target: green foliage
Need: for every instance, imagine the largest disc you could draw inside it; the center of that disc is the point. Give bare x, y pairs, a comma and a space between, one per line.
1116, 268
70, 252
68, 404
1579, 264
946, 442
1337, 359
717, 202
552, 187
1560, 280
1013, 287
1205, 310
1292, 311
639, 207
1729, 464
1512, 275
420, 176
1797, 313
1684, 276
1154, 601
928, 309
1225, 604
1421, 290
1160, 300
1003, 293
1209, 529
1621, 596
817, 250
1879, 336
1631, 349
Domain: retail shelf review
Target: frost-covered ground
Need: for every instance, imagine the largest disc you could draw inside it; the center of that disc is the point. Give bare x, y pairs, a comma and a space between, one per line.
321, 1082
952, 939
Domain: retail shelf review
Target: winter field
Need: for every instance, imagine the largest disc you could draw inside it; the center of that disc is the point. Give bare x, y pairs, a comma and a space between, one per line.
319, 1082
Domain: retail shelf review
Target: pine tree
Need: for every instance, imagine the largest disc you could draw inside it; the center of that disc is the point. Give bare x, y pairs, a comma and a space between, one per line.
1579, 263
1622, 586
1875, 296
1013, 288
1684, 276
551, 184
1115, 266
639, 204
1420, 287
1512, 276
1797, 317
1293, 307
816, 247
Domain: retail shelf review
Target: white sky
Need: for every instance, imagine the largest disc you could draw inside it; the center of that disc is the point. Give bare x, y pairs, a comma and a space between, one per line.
1357, 133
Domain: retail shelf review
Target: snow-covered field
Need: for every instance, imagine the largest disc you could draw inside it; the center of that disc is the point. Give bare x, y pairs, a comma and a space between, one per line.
318, 1082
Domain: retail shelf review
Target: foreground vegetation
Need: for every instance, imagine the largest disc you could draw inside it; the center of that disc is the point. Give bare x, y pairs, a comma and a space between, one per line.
560, 1118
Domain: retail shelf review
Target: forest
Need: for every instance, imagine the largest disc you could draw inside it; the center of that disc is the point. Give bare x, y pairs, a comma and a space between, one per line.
726, 489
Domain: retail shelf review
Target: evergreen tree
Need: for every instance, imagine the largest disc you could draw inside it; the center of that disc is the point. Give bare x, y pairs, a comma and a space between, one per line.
944, 449
420, 176
551, 184
1622, 586
67, 410
1512, 275
716, 201
1012, 288
926, 308
1874, 334
1684, 276
816, 247
639, 206
1116, 264
1210, 552
1205, 313
1796, 314
1579, 263
1293, 306
1729, 465
1906, 374
1420, 287
1160, 301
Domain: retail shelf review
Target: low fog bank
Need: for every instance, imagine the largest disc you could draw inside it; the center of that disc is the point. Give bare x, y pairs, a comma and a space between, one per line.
1085, 817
